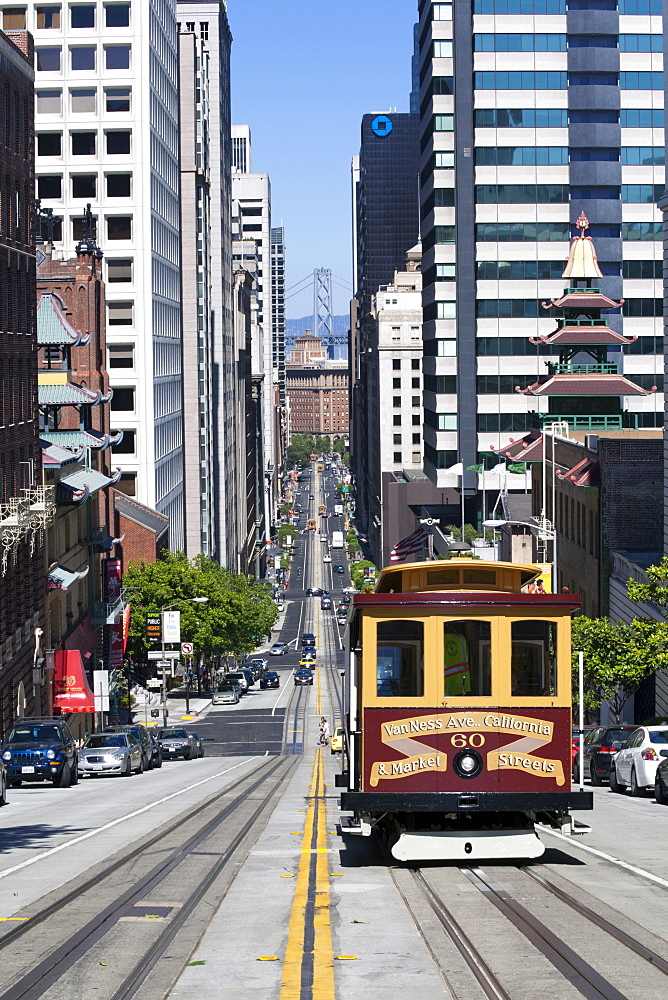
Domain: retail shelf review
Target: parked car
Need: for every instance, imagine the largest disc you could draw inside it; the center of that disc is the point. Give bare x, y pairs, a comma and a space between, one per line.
599, 747
142, 737
111, 753
176, 743
257, 667
197, 740
156, 752
240, 678
40, 749
636, 763
575, 745
661, 782
339, 569
278, 649
316, 592
327, 558
3, 784
303, 676
270, 679
226, 693
308, 639
336, 741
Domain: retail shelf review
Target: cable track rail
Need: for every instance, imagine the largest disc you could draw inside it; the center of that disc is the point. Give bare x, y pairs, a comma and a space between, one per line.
584, 977
58, 962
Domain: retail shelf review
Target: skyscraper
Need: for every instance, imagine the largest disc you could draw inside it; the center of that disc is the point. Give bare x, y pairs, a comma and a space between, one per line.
539, 111
386, 226
106, 128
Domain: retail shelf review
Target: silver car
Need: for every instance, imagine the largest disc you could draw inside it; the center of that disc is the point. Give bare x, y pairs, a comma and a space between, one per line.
226, 694
111, 753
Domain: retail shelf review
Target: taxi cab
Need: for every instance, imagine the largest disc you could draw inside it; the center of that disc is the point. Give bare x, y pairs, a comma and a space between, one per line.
336, 740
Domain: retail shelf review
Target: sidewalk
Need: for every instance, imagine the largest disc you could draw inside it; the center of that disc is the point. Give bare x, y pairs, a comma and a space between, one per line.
176, 706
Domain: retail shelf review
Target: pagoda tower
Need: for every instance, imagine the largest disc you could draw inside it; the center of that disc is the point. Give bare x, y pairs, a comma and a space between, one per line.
584, 389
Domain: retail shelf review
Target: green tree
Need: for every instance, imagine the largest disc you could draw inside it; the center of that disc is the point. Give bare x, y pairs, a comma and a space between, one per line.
339, 445
357, 575
471, 533
617, 658
286, 531
654, 592
237, 614
300, 449
323, 444
345, 457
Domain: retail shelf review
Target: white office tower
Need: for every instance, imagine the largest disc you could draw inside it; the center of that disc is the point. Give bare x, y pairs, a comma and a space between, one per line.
106, 128
252, 193
208, 20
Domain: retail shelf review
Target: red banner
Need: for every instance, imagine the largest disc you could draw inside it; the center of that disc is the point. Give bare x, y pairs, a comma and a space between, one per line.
71, 692
118, 632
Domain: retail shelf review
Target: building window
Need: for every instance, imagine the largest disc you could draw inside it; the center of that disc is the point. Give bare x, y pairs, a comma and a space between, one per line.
77, 228
397, 457
118, 142
123, 399
122, 355
48, 18
118, 185
83, 101
117, 99
48, 60
117, 56
396, 420
415, 420
82, 15
50, 186
396, 439
117, 15
119, 270
443, 49
83, 143
49, 102
84, 186
415, 400
82, 58
127, 484
120, 314
119, 227
396, 401
49, 144
416, 438
415, 364
396, 364
396, 383
415, 383
14, 19
127, 445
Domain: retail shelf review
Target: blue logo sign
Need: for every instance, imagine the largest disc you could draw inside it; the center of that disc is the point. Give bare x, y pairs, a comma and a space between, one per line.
381, 125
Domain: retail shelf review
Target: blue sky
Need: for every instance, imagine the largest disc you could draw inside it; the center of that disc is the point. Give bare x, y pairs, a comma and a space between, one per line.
303, 74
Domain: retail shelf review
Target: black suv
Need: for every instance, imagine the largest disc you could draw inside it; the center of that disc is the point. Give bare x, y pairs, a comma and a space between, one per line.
40, 749
600, 745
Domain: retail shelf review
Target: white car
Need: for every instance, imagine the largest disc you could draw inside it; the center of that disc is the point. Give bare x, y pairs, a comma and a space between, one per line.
634, 766
327, 558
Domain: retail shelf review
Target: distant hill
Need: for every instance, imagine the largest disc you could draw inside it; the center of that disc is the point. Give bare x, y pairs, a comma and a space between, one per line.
296, 327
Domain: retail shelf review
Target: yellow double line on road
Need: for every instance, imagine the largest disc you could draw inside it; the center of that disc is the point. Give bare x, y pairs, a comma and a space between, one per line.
308, 967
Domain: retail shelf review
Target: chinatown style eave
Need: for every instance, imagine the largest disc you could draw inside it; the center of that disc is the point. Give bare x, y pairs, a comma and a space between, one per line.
586, 473
69, 394
581, 301
82, 438
585, 385
583, 336
61, 578
528, 448
54, 456
76, 489
53, 326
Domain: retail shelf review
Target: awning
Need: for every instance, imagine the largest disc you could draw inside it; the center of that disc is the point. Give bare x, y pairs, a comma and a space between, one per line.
53, 326
54, 456
60, 578
79, 486
84, 638
71, 692
68, 394
81, 438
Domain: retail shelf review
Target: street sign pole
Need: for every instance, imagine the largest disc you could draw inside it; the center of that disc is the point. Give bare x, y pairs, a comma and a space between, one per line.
164, 673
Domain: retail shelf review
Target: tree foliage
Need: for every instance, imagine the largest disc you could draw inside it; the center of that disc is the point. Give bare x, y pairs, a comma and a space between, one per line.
471, 533
617, 658
300, 449
654, 592
237, 614
357, 575
339, 445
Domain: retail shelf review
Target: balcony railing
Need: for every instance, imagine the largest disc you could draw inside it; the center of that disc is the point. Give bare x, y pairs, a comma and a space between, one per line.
575, 368
594, 421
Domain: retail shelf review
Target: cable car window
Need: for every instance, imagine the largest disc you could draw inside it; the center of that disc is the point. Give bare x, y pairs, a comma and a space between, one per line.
467, 668
480, 576
442, 576
400, 659
534, 659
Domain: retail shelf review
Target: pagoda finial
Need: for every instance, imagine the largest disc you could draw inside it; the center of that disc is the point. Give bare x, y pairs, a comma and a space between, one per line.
582, 261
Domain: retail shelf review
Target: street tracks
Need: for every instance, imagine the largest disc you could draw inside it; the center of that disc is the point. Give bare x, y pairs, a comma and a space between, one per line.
124, 903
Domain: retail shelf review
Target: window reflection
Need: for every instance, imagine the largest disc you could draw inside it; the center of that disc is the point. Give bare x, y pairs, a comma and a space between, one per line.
467, 659
534, 659
400, 659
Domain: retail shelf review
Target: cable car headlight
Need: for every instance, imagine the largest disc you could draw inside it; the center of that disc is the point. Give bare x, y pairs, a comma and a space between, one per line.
468, 763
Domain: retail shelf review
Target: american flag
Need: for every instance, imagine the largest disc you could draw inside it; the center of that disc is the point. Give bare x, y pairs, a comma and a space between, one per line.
412, 543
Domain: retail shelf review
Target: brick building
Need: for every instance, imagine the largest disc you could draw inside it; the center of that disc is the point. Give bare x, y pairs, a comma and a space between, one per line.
308, 350
319, 399
22, 498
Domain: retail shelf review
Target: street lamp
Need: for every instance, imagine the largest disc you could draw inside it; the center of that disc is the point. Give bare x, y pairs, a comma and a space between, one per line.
542, 528
168, 607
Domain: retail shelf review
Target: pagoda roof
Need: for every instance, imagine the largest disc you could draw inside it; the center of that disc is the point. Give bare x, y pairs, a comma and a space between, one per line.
61, 578
586, 473
80, 485
585, 385
582, 261
82, 438
54, 456
583, 301
528, 448
53, 326
590, 336
70, 394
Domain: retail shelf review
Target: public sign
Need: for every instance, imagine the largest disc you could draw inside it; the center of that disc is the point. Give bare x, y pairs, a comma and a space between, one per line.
153, 682
169, 654
171, 626
187, 648
101, 690
153, 628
